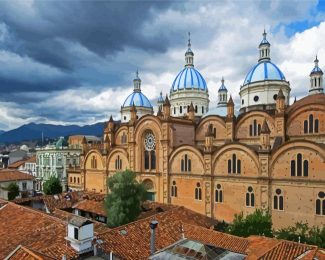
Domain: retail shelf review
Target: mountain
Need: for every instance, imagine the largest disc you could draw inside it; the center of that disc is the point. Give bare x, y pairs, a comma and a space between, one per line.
34, 131
2, 131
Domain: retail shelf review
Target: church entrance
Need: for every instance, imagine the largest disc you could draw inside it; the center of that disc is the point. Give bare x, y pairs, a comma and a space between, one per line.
150, 189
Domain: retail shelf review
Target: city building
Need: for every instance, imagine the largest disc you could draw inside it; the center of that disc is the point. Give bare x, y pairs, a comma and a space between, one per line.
23, 180
26, 166
55, 160
270, 156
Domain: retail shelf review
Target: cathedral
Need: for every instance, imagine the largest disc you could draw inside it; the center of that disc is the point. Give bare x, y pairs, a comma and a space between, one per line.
214, 160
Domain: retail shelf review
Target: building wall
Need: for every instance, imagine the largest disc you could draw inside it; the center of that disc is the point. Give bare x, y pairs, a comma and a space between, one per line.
263, 170
28, 187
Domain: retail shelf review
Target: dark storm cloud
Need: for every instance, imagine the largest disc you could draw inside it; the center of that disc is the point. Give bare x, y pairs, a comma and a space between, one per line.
103, 27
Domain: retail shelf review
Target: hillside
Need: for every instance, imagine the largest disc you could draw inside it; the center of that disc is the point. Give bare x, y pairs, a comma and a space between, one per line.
34, 131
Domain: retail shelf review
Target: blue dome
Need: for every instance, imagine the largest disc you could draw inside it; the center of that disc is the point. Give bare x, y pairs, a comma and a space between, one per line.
264, 70
160, 98
189, 78
138, 99
316, 70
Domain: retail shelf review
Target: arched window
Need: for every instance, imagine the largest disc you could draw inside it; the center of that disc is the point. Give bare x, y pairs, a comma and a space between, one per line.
198, 192
234, 165
311, 123
214, 132
250, 130
278, 200
258, 129
320, 204
71, 179
174, 110
305, 127
149, 151
74, 179
78, 180
118, 163
124, 138
299, 167
195, 108
93, 162
218, 194
250, 198
180, 109
254, 128
174, 189
186, 165
202, 109
316, 125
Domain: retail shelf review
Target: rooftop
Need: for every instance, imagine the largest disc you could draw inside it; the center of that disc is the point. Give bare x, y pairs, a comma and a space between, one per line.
14, 175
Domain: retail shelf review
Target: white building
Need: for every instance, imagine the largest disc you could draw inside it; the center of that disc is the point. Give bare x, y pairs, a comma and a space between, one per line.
55, 160
23, 180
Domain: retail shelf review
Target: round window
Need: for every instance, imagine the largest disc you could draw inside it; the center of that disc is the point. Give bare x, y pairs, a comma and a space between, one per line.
278, 191
256, 98
149, 142
321, 194
218, 186
174, 182
275, 96
250, 189
198, 184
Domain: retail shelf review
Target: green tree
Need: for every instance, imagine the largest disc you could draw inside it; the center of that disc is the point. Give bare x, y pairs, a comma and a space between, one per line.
123, 203
52, 186
303, 233
13, 190
257, 223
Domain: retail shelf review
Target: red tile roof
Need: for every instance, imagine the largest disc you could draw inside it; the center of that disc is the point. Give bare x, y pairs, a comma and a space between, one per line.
17, 164
14, 175
92, 206
24, 253
31, 159
34, 229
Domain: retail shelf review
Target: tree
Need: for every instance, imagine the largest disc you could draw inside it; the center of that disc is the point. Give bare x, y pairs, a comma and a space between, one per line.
52, 186
257, 223
13, 190
123, 203
302, 233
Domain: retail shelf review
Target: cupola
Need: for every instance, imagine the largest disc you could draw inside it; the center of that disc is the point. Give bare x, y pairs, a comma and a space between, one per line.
316, 79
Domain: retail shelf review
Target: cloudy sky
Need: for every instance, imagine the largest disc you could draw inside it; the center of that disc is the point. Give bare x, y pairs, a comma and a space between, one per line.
74, 61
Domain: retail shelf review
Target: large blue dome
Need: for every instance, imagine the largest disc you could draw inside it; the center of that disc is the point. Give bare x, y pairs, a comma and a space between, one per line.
264, 70
189, 78
138, 99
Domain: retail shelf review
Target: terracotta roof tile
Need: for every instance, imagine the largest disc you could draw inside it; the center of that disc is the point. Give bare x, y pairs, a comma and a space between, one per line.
24, 226
92, 206
14, 175
31, 159
24, 253
132, 241
17, 164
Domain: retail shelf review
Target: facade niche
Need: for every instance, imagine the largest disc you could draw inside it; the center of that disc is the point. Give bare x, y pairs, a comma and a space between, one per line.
311, 126
186, 164
234, 165
299, 167
250, 197
198, 192
174, 189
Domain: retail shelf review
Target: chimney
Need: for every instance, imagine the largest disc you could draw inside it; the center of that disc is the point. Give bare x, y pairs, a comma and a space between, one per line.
153, 226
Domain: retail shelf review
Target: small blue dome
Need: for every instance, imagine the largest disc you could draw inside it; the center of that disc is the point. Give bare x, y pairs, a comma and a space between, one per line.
189, 78
160, 98
222, 87
138, 99
264, 70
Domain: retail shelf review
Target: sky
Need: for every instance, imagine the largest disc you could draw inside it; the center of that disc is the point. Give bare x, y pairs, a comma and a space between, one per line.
73, 62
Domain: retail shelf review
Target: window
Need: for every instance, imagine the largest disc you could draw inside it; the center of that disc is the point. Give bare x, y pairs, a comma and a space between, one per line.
78, 180
76, 233
202, 109
24, 186
250, 198
195, 108
320, 204
275, 96
311, 125
198, 192
124, 117
180, 109
256, 98
124, 138
94, 162
278, 200
254, 129
174, 110
70, 179
242, 101
149, 151
214, 132
74, 179
174, 189
186, 164
218, 194
299, 167
118, 163
234, 165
